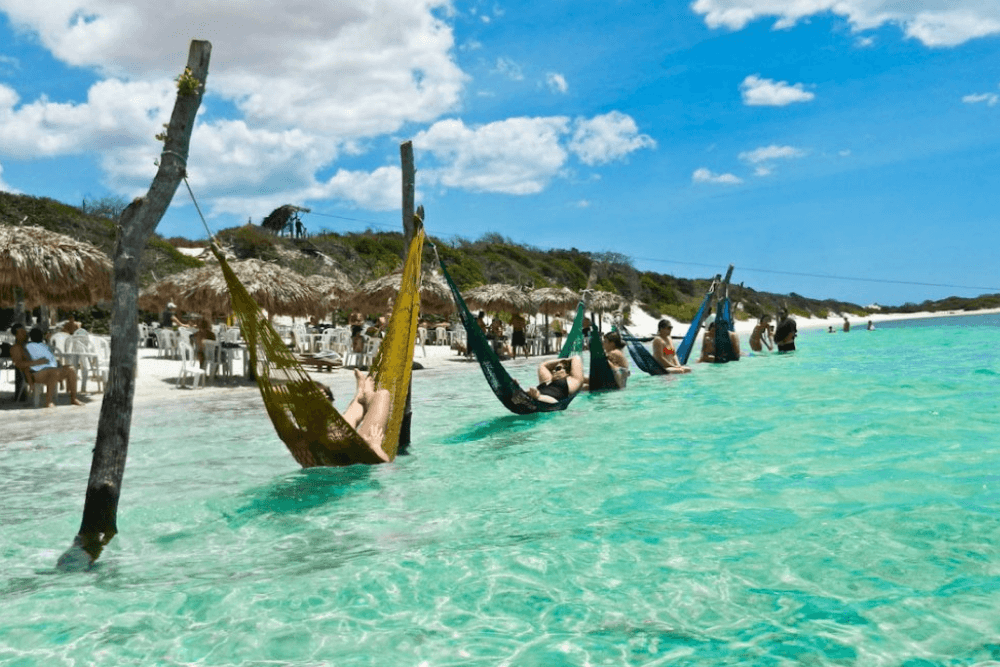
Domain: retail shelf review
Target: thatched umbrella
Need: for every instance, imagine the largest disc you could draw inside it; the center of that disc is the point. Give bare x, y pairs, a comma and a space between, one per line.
553, 301
497, 297
435, 297
50, 268
602, 302
277, 290
332, 289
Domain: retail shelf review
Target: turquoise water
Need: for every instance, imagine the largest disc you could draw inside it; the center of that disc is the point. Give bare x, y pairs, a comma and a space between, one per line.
837, 506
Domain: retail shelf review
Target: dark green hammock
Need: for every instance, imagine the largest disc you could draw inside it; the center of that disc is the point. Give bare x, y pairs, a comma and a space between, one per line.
503, 385
644, 361
602, 377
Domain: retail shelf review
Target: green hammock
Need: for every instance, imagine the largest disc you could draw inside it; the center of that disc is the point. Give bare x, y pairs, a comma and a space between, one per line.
602, 377
503, 385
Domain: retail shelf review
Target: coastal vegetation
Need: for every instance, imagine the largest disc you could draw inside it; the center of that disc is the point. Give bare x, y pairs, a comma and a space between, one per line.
491, 258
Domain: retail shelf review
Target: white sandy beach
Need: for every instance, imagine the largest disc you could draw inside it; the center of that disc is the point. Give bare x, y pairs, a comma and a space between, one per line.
156, 380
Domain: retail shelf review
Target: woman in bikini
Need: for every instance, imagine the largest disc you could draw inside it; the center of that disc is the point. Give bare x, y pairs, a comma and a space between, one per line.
663, 349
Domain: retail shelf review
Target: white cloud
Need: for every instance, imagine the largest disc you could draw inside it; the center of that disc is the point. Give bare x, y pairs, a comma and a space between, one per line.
509, 69
116, 115
767, 92
772, 152
377, 190
556, 82
863, 42
933, 22
990, 99
603, 139
3, 186
844, 153
515, 156
703, 175
351, 68
522, 155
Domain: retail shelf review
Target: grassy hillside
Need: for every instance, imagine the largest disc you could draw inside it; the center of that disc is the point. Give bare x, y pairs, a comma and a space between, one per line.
492, 258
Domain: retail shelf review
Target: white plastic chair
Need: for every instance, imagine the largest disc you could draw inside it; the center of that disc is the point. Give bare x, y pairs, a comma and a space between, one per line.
100, 363
189, 367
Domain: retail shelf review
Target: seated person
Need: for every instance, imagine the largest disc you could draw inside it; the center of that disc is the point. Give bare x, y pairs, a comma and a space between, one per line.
496, 334
357, 322
558, 379
368, 414
613, 346
708, 345
39, 364
761, 335
72, 326
663, 349
198, 338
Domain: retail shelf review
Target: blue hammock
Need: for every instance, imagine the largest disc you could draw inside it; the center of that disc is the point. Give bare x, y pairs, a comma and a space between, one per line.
644, 361
684, 349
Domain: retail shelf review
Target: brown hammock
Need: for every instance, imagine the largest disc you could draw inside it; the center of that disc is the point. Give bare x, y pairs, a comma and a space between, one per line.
305, 419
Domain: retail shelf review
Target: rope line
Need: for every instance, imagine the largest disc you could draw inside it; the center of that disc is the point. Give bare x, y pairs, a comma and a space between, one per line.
885, 281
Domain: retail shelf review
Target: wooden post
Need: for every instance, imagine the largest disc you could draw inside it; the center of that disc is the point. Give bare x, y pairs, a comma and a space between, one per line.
136, 225
409, 230
409, 186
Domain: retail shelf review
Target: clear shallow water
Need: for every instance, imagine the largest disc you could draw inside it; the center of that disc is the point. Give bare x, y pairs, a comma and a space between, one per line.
837, 506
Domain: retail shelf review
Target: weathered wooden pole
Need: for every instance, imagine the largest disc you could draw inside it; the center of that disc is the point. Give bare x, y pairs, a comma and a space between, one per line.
409, 187
136, 225
409, 230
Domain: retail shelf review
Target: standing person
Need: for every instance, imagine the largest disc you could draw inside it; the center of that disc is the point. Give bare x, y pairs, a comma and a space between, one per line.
871, 325
784, 335
198, 338
357, 323
761, 335
847, 324
517, 338
663, 349
481, 321
557, 331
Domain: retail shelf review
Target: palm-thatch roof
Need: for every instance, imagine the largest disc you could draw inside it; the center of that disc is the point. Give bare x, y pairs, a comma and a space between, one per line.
51, 268
277, 290
554, 300
603, 302
435, 297
499, 297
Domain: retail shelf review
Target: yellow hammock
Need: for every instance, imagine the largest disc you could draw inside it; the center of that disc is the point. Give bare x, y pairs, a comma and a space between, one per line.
314, 432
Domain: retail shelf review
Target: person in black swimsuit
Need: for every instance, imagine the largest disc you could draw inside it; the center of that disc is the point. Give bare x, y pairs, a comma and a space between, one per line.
558, 379
785, 335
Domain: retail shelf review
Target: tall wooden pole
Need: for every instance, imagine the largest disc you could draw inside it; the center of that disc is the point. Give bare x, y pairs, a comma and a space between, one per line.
136, 225
409, 230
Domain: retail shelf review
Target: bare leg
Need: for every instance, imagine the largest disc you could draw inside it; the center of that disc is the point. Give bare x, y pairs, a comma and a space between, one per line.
356, 410
70, 377
373, 425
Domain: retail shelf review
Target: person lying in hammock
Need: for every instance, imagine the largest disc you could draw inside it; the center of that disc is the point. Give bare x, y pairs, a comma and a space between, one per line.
558, 379
368, 414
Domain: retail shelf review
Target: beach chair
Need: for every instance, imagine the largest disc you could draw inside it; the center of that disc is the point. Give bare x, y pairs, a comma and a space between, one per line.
189, 367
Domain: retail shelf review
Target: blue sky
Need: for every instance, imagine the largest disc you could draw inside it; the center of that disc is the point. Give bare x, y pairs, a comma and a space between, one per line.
797, 140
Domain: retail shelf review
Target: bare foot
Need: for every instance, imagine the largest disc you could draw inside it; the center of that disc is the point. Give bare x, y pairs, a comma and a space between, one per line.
75, 401
50, 405
533, 392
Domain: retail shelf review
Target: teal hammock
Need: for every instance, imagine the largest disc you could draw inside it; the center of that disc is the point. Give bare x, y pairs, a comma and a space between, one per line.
644, 361
723, 325
503, 385
602, 378
684, 349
